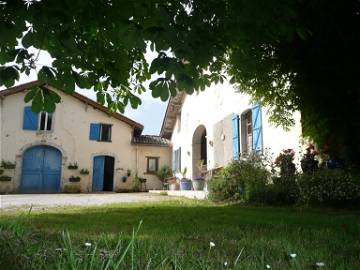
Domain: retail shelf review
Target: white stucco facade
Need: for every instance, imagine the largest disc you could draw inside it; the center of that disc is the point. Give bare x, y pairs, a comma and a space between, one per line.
213, 109
70, 135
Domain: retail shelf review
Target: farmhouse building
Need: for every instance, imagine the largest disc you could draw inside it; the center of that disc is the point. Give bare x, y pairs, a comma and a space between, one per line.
213, 127
81, 147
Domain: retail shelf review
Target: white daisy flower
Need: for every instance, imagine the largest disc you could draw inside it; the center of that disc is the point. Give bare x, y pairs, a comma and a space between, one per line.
225, 263
292, 255
268, 266
320, 264
212, 244
87, 244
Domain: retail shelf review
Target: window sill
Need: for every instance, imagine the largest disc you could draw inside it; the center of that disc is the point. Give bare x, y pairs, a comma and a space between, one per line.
43, 132
105, 141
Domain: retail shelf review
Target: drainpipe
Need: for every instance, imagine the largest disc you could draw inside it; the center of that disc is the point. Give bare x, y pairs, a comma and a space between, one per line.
137, 158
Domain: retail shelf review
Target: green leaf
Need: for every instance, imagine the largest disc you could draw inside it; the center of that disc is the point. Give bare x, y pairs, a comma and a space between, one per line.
46, 74
54, 96
38, 102
8, 75
31, 94
109, 99
28, 40
100, 97
49, 104
164, 94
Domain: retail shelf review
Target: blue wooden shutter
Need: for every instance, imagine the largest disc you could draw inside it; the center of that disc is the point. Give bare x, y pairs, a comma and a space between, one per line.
30, 120
94, 132
257, 128
235, 132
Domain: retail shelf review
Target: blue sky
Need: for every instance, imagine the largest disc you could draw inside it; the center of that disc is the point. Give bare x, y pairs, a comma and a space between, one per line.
150, 113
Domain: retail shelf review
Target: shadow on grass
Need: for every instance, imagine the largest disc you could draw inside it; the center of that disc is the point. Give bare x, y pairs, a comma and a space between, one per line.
174, 219
185, 228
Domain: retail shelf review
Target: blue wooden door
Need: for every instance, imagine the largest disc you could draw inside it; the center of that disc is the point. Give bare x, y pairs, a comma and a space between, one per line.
41, 170
98, 174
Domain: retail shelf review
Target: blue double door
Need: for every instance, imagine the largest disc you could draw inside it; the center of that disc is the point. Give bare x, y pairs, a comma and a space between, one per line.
103, 174
41, 170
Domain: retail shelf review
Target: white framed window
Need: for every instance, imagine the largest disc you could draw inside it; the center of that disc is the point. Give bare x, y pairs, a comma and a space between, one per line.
152, 164
247, 132
105, 133
45, 121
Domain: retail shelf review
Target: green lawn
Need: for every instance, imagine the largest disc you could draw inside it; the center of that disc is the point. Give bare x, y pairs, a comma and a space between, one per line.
177, 235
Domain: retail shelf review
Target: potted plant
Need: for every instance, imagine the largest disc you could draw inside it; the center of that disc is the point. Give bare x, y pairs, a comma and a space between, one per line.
164, 173
128, 172
199, 182
185, 183
124, 178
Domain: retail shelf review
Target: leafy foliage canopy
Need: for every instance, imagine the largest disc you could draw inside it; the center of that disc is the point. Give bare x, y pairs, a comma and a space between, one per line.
288, 54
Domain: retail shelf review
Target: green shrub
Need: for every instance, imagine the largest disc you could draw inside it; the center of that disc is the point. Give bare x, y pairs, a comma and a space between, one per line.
137, 184
330, 188
164, 172
284, 190
243, 180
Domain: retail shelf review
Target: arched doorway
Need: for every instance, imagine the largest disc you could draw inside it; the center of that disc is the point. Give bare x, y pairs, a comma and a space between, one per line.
199, 151
103, 173
41, 170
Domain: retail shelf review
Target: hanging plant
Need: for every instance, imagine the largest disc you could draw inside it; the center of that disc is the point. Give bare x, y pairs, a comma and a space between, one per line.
84, 171
7, 164
5, 178
73, 166
74, 178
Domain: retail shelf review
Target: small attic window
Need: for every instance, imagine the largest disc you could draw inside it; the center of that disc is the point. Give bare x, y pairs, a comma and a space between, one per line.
105, 133
45, 121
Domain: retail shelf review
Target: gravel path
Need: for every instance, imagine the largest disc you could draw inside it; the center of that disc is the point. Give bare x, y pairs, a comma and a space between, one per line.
56, 200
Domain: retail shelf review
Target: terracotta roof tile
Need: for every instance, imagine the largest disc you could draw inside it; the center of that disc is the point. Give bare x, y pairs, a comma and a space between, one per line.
151, 140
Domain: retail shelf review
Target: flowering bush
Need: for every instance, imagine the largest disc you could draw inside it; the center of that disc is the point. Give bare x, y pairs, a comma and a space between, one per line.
284, 190
285, 161
308, 163
330, 188
242, 180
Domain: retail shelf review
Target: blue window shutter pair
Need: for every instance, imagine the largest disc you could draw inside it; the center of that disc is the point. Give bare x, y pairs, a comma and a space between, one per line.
30, 119
235, 137
257, 143
94, 132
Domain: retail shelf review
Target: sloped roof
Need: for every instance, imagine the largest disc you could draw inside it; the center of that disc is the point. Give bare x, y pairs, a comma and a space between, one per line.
151, 140
138, 128
172, 110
